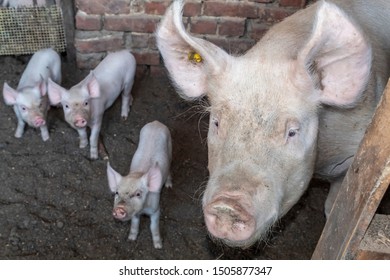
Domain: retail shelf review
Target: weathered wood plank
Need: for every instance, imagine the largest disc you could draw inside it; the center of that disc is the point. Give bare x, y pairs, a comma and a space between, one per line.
362, 190
376, 241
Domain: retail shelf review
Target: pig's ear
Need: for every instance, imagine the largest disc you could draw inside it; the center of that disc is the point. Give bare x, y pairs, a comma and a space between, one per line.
93, 85
42, 86
189, 60
55, 92
113, 178
154, 178
9, 95
337, 57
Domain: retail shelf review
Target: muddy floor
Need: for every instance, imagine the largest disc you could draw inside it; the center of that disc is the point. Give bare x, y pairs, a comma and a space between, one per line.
55, 202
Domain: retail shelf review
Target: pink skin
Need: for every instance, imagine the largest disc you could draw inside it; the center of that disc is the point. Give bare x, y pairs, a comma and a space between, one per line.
226, 219
80, 122
39, 121
119, 212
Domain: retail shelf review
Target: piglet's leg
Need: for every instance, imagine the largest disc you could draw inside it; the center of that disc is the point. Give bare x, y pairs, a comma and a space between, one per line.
127, 100
94, 138
20, 128
44, 133
155, 229
83, 137
134, 228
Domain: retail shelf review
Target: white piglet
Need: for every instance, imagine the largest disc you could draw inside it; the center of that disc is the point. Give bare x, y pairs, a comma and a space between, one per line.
30, 97
139, 192
85, 103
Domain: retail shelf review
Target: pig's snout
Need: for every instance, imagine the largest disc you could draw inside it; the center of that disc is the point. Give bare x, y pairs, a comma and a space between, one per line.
227, 219
80, 122
39, 121
119, 213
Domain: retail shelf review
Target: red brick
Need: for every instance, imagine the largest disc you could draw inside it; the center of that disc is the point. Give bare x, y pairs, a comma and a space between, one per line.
192, 9
233, 45
232, 27
141, 41
103, 6
133, 23
257, 30
203, 26
262, 1
108, 42
241, 9
88, 61
156, 8
273, 15
292, 3
88, 22
147, 57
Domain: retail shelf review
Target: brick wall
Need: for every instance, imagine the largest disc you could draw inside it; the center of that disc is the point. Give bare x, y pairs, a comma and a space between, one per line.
109, 25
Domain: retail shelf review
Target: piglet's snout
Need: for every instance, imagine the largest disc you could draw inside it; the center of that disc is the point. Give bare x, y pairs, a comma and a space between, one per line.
227, 219
39, 121
80, 122
119, 212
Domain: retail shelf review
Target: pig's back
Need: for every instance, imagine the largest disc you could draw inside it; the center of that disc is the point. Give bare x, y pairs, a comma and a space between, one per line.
45, 63
154, 146
115, 66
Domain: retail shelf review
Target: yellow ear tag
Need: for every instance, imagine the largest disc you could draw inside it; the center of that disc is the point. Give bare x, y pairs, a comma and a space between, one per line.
195, 57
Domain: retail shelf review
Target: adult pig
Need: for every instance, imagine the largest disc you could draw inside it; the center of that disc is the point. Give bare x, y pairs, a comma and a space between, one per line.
139, 192
295, 105
30, 100
85, 103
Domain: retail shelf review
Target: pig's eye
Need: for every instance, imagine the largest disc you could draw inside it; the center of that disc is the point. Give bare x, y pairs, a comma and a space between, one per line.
24, 108
66, 106
85, 103
116, 193
292, 132
138, 194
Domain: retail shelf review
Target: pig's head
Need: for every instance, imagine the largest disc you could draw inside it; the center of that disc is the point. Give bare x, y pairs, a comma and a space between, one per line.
131, 191
264, 110
30, 102
75, 101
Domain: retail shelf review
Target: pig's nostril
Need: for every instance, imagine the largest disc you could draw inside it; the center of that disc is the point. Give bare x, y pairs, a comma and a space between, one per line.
226, 219
119, 213
39, 122
80, 123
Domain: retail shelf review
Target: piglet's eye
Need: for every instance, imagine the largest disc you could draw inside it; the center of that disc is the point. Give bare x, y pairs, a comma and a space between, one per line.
292, 132
116, 193
24, 108
85, 103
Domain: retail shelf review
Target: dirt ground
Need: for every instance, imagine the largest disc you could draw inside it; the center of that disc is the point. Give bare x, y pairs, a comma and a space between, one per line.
55, 202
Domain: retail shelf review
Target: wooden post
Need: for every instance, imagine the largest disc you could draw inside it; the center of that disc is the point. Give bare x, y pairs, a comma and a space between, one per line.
362, 190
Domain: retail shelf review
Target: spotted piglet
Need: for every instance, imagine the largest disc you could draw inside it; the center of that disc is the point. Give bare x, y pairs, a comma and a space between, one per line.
139, 192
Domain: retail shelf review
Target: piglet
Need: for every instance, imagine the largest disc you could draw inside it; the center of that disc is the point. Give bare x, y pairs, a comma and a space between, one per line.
139, 192
30, 100
85, 103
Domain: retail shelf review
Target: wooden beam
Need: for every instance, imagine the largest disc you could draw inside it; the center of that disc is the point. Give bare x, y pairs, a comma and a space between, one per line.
362, 190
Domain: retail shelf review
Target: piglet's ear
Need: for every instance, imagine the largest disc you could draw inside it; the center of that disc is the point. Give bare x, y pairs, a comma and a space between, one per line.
55, 92
189, 60
9, 95
93, 85
42, 87
113, 178
154, 178
338, 54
